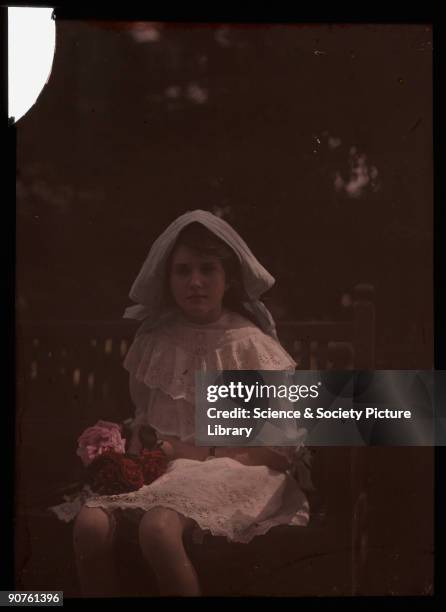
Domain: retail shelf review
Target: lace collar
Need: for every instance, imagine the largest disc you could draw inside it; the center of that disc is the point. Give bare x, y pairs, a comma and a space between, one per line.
168, 357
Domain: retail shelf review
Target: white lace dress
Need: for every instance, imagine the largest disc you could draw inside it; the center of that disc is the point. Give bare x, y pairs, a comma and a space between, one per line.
222, 496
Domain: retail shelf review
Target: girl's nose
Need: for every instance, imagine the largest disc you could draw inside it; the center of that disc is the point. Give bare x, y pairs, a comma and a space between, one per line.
196, 279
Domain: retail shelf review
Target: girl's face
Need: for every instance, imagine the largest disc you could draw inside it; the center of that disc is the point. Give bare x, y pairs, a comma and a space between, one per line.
198, 284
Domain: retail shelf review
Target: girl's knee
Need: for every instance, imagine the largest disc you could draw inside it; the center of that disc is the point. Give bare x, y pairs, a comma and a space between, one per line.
158, 527
93, 528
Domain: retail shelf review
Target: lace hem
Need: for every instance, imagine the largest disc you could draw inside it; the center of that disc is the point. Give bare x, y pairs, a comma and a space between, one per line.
298, 519
223, 497
68, 510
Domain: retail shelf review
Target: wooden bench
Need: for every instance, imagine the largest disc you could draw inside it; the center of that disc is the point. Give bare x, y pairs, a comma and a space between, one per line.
70, 374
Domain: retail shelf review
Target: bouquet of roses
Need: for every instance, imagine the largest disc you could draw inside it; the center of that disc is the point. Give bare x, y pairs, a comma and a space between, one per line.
109, 468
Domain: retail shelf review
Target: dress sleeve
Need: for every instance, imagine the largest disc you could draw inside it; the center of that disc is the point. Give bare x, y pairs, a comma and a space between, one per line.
300, 460
140, 396
139, 392
285, 451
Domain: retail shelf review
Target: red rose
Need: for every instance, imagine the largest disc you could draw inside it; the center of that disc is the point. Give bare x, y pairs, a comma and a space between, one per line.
112, 473
153, 464
131, 473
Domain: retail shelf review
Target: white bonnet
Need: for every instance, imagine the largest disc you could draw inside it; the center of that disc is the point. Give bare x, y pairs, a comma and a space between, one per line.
147, 289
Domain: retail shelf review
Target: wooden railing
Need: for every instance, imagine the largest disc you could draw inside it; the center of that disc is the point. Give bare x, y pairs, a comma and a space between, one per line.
78, 363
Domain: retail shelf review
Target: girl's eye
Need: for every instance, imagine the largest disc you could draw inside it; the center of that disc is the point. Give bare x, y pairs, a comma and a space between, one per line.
182, 269
207, 268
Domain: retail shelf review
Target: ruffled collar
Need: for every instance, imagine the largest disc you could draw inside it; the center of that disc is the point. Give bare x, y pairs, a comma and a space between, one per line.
168, 357
223, 322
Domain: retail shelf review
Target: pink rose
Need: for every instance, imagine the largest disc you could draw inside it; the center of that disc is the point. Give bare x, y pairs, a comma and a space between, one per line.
95, 440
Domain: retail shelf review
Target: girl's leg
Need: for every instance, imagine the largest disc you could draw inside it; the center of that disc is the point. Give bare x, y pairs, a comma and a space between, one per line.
93, 548
161, 540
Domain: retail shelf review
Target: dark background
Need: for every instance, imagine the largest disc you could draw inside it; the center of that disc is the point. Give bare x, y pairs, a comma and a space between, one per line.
261, 124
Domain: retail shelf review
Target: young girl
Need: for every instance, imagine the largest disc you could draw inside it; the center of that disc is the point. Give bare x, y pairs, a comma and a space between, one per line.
197, 296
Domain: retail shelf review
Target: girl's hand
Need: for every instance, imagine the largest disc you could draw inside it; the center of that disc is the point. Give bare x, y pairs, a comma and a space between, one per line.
229, 451
243, 458
260, 455
134, 445
181, 450
167, 449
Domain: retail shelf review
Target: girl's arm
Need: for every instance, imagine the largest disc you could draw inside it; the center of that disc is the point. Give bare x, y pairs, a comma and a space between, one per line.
173, 447
255, 455
183, 450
